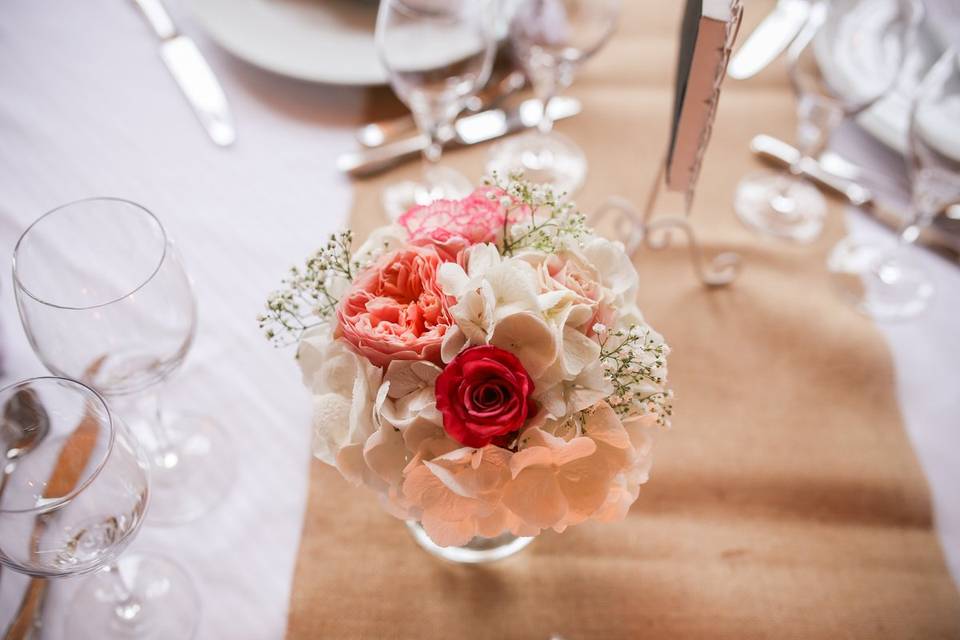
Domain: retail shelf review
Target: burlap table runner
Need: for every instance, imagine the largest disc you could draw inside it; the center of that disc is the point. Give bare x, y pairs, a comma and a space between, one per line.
785, 503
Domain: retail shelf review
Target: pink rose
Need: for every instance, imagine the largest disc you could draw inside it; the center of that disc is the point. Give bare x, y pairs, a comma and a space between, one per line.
395, 310
452, 225
484, 394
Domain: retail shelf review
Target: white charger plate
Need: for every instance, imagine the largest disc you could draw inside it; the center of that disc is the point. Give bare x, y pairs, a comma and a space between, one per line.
328, 41
889, 119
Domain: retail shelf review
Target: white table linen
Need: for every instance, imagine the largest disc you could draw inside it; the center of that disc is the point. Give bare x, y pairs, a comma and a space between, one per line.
87, 108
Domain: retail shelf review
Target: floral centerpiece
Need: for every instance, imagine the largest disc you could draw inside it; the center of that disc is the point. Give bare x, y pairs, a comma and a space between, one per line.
481, 365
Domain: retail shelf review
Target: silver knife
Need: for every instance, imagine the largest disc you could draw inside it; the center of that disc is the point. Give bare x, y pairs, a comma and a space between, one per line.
192, 73
468, 130
770, 38
943, 234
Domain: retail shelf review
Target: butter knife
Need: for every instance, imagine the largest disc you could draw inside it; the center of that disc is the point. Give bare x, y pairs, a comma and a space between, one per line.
943, 234
468, 130
192, 74
771, 37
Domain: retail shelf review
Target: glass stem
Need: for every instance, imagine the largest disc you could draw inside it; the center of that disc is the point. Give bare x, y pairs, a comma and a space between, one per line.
546, 90
128, 607
165, 455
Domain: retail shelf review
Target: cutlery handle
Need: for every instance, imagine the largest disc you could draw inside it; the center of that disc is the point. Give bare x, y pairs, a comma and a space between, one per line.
158, 18
27, 619
368, 162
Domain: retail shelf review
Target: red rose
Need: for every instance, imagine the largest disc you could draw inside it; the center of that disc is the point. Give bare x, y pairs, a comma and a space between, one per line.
483, 394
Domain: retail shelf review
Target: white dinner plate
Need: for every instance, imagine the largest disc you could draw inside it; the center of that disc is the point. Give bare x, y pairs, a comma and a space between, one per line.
889, 119
329, 41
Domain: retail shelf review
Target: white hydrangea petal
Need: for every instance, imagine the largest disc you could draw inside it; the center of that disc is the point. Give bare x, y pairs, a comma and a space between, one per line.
407, 376
482, 258
579, 351
529, 338
453, 280
453, 343
473, 317
331, 420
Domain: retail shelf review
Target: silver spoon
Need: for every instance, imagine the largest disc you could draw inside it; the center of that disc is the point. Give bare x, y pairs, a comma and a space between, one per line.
25, 424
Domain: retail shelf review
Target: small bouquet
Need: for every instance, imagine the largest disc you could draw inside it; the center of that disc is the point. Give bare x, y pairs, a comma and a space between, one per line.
482, 365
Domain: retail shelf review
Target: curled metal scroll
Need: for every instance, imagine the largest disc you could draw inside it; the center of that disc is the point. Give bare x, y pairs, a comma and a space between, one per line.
636, 229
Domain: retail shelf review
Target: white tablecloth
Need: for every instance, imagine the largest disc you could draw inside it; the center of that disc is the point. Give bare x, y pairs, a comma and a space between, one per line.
87, 108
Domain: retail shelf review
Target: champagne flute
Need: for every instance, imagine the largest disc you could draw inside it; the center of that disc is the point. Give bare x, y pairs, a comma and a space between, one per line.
896, 286
784, 204
103, 298
71, 504
437, 54
551, 39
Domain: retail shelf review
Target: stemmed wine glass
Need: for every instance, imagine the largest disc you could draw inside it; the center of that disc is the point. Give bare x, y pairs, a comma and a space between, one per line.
72, 501
551, 39
894, 285
437, 54
783, 204
104, 299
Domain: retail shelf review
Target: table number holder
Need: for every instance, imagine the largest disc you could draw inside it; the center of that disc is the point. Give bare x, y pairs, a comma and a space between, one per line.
705, 46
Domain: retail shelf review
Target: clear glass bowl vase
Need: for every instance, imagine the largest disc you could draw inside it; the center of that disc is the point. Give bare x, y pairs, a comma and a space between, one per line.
478, 551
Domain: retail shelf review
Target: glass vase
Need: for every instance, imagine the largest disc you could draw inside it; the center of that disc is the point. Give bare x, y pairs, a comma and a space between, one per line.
478, 551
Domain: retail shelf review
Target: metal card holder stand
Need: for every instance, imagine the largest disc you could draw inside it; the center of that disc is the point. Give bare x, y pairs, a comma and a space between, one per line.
640, 229
701, 55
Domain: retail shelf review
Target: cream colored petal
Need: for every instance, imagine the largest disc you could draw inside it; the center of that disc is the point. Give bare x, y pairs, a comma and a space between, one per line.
483, 258
473, 317
407, 376
612, 263
354, 469
454, 341
529, 338
515, 289
331, 418
579, 351
453, 280
381, 240
386, 455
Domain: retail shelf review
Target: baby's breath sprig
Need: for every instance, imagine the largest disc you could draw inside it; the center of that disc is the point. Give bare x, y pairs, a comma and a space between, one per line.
635, 361
310, 293
552, 224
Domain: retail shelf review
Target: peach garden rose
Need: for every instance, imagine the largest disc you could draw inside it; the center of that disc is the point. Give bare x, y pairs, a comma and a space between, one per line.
395, 310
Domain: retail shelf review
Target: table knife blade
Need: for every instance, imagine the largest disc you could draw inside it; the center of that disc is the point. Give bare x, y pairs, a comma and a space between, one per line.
469, 130
201, 88
771, 37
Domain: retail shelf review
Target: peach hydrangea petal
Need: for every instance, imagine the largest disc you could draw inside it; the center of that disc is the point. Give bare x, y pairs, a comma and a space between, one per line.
449, 533
536, 497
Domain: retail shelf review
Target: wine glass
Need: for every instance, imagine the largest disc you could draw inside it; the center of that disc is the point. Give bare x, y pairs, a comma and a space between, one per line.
896, 286
103, 298
71, 503
551, 39
437, 54
784, 204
